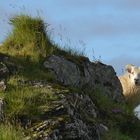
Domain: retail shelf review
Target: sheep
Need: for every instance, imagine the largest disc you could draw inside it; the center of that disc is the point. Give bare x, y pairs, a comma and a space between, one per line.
130, 82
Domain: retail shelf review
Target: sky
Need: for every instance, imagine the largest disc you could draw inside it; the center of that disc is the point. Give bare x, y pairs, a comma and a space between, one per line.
107, 30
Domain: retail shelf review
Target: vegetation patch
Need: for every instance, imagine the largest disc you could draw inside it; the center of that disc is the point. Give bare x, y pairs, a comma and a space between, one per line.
9, 132
116, 115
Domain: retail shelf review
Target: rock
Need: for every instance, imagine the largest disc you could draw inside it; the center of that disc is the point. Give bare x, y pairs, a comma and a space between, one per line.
6, 69
137, 112
80, 110
78, 103
4, 72
85, 75
3, 57
71, 116
103, 128
7, 62
2, 85
79, 129
65, 71
1, 109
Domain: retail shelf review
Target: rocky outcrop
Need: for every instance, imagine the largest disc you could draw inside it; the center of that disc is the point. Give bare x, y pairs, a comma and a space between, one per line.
73, 117
85, 75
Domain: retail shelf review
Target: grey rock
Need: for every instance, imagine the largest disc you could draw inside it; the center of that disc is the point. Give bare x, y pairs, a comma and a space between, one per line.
4, 72
65, 71
78, 109
1, 109
7, 62
2, 85
3, 57
81, 109
79, 129
78, 103
85, 75
103, 128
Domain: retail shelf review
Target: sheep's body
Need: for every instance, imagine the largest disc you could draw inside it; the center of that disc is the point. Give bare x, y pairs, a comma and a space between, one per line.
128, 87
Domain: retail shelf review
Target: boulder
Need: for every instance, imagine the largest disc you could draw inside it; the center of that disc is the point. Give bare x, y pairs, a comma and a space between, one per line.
85, 75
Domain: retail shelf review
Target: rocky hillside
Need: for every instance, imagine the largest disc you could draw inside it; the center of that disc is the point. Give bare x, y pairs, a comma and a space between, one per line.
47, 93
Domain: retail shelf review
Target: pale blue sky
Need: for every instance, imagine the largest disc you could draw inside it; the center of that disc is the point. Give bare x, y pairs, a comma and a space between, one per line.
109, 27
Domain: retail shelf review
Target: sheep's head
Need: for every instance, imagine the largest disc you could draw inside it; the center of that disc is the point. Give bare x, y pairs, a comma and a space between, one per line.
134, 74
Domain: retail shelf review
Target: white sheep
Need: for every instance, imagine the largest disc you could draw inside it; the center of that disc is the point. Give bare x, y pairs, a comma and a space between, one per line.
131, 86
130, 82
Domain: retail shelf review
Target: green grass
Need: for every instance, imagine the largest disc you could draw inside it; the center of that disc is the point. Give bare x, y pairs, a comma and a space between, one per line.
9, 132
26, 102
115, 135
28, 38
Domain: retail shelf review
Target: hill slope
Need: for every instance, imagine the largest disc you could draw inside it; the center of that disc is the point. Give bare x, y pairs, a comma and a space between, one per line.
52, 94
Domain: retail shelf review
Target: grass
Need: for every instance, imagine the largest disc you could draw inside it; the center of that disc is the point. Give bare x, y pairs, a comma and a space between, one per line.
116, 115
115, 135
28, 38
9, 132
25, 101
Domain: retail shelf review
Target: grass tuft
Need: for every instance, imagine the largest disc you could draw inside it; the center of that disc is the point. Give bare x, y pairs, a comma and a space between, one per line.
9, 132
28, 38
